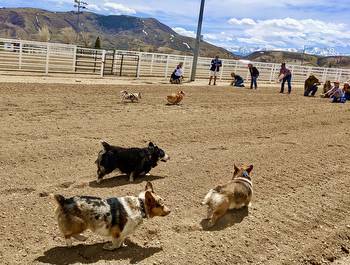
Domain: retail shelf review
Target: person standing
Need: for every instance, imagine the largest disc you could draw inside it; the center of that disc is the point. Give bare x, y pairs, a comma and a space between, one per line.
214, 69
254, 74
285, 76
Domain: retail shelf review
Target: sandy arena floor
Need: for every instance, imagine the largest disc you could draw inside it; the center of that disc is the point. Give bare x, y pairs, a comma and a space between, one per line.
299, 147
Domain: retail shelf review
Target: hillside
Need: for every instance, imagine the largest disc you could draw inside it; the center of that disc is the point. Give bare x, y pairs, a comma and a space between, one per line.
300, 58
116, 32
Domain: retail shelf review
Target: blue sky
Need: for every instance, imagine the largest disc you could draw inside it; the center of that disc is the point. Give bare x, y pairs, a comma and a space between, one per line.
234, 24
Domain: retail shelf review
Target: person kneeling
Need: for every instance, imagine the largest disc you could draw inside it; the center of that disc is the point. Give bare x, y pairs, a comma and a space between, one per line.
311, 86
177, 75
237, 80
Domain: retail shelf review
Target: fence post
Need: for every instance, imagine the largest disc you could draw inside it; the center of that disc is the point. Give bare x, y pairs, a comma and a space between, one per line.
222, 69
47, 58
151, 70
272, 72
74, 58
103, 57
139, 66
166, 67
324, 75
20, 55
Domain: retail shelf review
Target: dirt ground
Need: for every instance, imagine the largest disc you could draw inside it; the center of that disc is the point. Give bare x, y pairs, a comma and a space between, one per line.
301, 207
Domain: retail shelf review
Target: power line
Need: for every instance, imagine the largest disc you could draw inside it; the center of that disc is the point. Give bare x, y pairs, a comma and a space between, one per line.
79, 5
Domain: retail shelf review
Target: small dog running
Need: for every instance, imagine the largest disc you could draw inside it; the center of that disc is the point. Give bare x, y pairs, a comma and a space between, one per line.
133, 97
175, 99
235, 194
131, 161
113, 217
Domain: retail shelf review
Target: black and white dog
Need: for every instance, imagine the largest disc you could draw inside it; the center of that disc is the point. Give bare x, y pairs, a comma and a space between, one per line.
125, 95
131, 161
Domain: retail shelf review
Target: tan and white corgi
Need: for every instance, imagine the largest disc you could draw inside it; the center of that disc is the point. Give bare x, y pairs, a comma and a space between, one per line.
235, 194
113, 217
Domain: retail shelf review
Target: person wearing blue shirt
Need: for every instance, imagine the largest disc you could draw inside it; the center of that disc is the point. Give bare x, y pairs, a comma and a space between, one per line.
214, 69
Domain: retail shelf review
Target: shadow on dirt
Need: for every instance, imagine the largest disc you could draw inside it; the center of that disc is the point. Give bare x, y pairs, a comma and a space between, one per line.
87, 254
121, 180
231, 218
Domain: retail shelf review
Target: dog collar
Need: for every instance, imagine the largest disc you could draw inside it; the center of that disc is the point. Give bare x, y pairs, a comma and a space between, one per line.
245, 180
142, 208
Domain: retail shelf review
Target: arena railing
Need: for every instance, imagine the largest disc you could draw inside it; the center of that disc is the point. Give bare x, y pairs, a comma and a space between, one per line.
47, 57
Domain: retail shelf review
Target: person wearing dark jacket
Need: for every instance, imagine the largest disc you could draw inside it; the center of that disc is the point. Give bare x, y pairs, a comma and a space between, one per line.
214, 69
254, 74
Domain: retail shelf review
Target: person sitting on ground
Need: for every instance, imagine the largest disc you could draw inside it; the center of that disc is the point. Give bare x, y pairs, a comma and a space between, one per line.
326, 87
311, 86
237, 80
346, 90
336, 94
177, 75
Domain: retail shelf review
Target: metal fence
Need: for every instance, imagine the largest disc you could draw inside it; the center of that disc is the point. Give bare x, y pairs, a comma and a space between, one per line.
43, 57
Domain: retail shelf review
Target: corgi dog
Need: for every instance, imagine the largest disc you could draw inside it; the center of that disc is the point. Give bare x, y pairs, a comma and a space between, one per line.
235, 194
116, 217
125, 95
176, 98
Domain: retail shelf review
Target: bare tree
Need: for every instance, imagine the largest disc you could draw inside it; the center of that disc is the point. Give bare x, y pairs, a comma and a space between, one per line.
69, 35
86, 38
44, 34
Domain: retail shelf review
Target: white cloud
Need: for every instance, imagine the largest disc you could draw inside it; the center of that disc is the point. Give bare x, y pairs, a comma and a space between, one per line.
184, 32
289, 32
94, 7
242, 22
118, 9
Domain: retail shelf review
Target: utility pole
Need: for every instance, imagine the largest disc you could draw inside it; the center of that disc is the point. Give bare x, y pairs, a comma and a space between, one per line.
198, 40
79, 5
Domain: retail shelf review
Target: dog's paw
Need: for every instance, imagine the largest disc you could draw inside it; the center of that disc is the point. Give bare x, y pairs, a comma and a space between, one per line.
80, 237
109, 246
98, 181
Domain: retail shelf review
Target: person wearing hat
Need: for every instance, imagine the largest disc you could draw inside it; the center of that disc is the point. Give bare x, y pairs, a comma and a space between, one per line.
336, 93
286, 76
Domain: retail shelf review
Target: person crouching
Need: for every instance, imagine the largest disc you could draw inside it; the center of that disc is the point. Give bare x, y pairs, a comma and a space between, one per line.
237, 80
311, 86
177, 75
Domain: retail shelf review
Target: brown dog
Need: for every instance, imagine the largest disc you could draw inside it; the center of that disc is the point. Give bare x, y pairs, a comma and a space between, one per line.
235, 194
114, 217
176, 98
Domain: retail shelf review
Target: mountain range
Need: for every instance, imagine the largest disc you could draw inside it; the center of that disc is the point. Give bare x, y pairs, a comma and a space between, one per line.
115, 31
140, 34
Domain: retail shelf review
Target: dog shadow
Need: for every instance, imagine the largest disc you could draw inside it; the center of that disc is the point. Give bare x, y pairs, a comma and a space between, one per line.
121, 180
87, 254
231, 218
169, 104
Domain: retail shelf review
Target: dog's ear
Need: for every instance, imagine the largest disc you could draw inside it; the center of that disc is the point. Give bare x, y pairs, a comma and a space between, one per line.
150, 144
149, 187
236, 169
149, 200
250, 168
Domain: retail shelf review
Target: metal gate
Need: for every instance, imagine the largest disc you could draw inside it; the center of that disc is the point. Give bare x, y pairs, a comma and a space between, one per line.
121, 64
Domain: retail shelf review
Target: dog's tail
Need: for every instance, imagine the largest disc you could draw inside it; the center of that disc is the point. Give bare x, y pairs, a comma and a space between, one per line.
208, 197
60, 200
106, 146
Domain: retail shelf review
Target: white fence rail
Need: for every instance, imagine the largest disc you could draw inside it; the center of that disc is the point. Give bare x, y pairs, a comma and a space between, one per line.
42, 57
